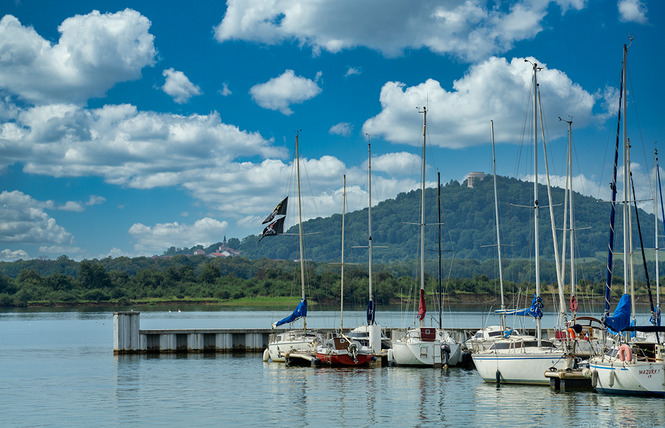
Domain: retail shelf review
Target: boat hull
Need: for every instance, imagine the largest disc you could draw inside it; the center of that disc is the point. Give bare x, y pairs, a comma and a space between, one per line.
640, 378
344, 359
519, 368
417, 353
291, 342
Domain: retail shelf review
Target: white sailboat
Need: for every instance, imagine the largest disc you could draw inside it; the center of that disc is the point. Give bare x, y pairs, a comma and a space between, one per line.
421, 346
299, 341
486, 336
523, 359
370, 335
633, 366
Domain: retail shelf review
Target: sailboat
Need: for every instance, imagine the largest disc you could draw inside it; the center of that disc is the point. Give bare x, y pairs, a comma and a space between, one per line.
486, 336
300, 341
340, 350
523, 359
370, 334
632, 366
420, 346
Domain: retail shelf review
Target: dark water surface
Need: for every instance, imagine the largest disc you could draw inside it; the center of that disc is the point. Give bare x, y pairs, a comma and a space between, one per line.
58, 369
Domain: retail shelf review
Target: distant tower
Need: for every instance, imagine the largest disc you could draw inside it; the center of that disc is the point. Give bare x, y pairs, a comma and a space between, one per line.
473, 177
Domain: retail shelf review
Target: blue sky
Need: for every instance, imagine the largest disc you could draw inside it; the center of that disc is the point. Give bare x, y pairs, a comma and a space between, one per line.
128, 127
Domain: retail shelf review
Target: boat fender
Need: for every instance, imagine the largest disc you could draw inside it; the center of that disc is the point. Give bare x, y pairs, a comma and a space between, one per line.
571, 333
612, 376
445, 350
391, 357
625, 353
586, 373
498, 378
594, 378
266, 355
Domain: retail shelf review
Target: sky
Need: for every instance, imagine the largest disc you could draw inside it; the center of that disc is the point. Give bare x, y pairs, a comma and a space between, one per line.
129, 127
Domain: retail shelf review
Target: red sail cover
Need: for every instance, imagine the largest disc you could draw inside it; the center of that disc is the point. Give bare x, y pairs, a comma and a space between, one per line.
421, 306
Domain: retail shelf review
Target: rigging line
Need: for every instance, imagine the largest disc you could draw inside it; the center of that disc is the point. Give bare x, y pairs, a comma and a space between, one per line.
639, 126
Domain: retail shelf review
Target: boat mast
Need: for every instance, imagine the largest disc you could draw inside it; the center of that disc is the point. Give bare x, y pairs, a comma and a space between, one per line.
573, 280
341, 291
302, 257
369, 222
498, 236
626, 169
535, 192
655, 222
438, 181
422, 211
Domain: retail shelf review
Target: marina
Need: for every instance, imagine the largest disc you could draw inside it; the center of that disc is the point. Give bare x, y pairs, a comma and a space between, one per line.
59, 369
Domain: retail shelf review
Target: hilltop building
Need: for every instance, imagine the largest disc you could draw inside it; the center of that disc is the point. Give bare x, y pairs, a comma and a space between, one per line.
473, 177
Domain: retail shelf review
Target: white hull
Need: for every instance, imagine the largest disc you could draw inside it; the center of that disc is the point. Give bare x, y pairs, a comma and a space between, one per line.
416, 352
289, 342
518, 361
641, 378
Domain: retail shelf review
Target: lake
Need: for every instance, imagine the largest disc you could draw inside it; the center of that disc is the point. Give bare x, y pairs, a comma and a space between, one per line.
58, 369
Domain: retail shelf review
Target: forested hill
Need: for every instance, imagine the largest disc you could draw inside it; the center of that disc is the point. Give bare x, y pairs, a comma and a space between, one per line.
468, 226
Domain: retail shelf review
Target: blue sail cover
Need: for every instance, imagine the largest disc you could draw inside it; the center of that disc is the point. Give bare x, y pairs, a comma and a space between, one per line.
656, 314
536, 309
621, 317
301, 311
370, 312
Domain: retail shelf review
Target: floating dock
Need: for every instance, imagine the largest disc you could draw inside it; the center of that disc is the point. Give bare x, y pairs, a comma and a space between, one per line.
570, 380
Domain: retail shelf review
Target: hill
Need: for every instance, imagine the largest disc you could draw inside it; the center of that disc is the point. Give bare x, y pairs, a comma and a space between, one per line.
468, 228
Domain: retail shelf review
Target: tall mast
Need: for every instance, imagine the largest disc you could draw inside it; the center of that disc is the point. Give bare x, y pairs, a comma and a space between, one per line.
655, 222
422, 210
438, 181
369, 219
626, 170
302, 256
573, 281
535, 191
498, 235
341, 291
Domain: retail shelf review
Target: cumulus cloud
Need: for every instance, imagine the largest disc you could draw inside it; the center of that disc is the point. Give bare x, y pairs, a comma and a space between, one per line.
280, 92
7, 255
205, 231
23, 220
343, 128
465, 29
94, 52
492, 90
632, 11
178, 86
123, 145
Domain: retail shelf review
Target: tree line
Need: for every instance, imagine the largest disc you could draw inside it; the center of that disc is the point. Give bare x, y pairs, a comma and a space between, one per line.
124, 281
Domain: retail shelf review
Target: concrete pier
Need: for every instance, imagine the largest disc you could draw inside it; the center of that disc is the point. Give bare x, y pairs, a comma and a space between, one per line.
128, 338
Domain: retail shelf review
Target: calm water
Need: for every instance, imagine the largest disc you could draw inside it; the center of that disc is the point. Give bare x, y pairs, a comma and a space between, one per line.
58, 369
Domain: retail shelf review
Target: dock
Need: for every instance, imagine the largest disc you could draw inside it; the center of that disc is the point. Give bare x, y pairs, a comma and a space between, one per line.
570, 380
129, 338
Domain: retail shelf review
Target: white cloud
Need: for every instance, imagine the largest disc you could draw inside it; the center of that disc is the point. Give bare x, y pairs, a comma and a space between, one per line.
123, 145
80, 206
178, 86
7, 255
280, 92
205, 231
492, 90
24, 221
402, 163
95, 51
343, 128
632, 11
225, 91
352, 71
466, 29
